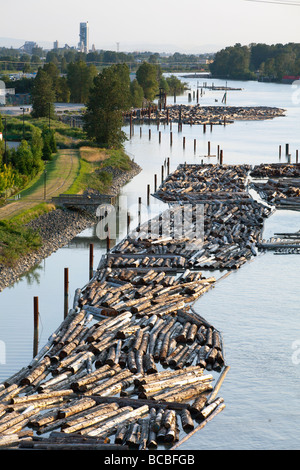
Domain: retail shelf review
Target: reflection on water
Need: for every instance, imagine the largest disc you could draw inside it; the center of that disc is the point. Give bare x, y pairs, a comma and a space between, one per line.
255, 308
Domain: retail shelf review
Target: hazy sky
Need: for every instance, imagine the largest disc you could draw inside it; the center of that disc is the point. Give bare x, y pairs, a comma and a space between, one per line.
158, 25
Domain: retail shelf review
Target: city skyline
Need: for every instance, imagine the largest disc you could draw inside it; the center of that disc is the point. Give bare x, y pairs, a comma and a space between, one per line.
191, 28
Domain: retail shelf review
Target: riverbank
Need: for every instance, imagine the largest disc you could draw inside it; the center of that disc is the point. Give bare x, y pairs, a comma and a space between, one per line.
57, 228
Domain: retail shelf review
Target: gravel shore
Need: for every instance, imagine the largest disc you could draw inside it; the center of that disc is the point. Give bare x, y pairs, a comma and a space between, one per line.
57, 228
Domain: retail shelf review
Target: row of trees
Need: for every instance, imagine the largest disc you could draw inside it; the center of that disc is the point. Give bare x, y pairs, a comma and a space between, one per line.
50, 86
257, 60
113, 93
19, 166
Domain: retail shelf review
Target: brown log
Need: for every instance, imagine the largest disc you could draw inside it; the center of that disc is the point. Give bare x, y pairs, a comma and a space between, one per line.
75, 407
186, 420
127, 415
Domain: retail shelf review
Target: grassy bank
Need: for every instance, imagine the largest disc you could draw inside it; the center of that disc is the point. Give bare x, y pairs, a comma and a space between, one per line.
95, 164
16, 240
66, 136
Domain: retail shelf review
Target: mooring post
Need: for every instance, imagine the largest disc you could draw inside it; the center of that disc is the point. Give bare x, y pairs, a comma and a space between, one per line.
140, 131
195, 145
221, 157
149, 134
155, 182
162, 173
204, 128
148, 194
159, 137
171, 138
279, 151
91, 263
107, 242
168, 165
183, 142
36, 325
139, 211
296, 156
208, 148
130, 125
287, 149
66, 291
128, 222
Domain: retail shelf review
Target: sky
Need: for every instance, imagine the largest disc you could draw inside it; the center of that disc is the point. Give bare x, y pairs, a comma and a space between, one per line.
189, 26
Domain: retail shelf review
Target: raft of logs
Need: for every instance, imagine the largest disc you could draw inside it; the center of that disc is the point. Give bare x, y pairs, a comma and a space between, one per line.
133, 366
278, 184
131, 375
217, 194
197, 114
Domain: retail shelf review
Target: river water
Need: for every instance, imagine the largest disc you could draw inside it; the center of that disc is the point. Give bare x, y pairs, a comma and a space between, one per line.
256, 308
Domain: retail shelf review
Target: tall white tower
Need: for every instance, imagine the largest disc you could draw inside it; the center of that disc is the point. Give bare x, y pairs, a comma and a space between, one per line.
84, 37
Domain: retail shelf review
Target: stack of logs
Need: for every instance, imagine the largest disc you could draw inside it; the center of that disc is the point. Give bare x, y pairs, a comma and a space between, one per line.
97, 379
282, 188
193, 183
196, 114
208, 231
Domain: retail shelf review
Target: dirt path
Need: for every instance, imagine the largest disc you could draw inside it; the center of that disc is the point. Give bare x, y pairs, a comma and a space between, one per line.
61, 179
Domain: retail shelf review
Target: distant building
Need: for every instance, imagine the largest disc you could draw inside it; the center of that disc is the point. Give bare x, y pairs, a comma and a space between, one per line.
29, 46
55, 45
84, 37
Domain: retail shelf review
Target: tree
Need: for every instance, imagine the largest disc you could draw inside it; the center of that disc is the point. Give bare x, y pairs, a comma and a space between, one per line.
43, 95
137, 94
49, 143
109, 96
148, 76
80, 78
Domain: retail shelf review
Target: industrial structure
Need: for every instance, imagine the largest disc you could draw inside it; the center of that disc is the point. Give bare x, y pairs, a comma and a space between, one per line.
84, 37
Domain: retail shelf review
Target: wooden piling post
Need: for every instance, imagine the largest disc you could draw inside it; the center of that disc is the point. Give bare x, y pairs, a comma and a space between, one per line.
155, 182
204, 128
140, 131
195, 143
66, 291
149, 134
91, 260
168, 165
297, 156
159, 137
287, 149
148, 194
36, 325
221, 157
279, 151
128, 222
171, 138
108, 242
139, 210
183, 142
208, 148
130, 125
162, 173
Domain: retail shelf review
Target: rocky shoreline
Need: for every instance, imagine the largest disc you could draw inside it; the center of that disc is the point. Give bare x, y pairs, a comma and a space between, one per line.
57, 228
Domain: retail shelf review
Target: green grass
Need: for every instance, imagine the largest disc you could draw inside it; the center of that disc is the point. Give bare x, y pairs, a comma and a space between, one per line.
16, 241
66, 136
38, 181
27, 215
92, 172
